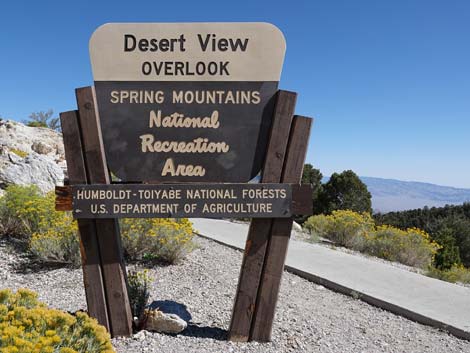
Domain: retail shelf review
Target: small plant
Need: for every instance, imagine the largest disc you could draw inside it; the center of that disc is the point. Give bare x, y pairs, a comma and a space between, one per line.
28, 326
165, 240
456, 274
19, 153
138, 283
43, 119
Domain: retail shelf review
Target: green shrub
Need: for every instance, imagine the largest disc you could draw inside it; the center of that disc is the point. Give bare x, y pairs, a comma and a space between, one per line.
55, 238
138, 283
412, 247
456, 273
28, 326
16, 217
357, 231
164, 240
36, 124
345, 228
51, 236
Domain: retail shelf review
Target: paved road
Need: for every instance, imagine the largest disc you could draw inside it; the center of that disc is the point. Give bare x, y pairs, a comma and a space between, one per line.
414, 296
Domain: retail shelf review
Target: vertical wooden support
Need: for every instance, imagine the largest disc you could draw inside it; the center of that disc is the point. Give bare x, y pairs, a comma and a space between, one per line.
259, 232
91, 262
279, 238
107, 230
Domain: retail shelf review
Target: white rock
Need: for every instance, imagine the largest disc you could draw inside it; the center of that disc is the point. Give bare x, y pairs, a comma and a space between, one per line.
165, 323
140, 336
30, 155
297, 227
35, 169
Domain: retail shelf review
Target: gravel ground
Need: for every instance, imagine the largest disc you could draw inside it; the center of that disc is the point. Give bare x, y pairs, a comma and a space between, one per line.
309, 317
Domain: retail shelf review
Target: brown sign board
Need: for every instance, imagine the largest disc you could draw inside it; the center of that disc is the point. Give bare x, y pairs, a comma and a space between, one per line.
184, 200
186, 102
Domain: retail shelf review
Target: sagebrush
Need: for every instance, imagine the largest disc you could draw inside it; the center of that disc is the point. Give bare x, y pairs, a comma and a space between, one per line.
357, 231
164, 240
28, 326
52, 236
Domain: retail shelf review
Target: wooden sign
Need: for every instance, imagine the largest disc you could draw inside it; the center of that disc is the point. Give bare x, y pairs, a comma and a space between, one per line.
184, 200
189, 103
186, 102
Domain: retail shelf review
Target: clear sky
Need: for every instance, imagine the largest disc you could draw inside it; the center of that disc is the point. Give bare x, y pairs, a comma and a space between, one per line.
388, 82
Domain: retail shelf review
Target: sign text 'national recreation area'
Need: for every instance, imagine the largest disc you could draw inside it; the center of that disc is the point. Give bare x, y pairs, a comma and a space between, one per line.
186, 102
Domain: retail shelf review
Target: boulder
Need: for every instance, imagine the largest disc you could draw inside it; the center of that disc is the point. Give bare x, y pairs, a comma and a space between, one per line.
30, 155
36, 169
159, 321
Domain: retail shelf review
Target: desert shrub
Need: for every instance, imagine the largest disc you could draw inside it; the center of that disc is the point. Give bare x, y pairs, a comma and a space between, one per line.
316, 226
164, 240
28, 326
457, 273
357, 231
36, 124
51, 236
55, 237
345, 228
16, 217
138, 283
411, 247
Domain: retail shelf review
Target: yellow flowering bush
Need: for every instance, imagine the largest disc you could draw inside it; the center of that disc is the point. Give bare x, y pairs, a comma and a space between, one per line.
55, 238
411, 247
52, 236
357, 231
28, 326
164, 240
457, 273
16, 219
345, 228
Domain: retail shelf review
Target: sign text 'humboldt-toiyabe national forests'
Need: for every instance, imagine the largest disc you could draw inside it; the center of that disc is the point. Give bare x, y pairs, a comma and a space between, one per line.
186, 102
184, 200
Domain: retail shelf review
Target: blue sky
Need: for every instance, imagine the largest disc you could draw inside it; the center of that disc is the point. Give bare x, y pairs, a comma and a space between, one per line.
388, 82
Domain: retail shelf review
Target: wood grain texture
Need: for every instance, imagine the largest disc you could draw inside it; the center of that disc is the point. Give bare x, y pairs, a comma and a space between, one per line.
258, 234
107, 230
63, 198
279, 238
92, 275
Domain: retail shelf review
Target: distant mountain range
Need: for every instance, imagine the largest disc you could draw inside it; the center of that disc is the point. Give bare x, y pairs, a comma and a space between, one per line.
395, 195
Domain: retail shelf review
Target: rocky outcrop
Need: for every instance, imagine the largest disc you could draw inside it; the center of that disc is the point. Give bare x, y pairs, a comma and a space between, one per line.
30, 155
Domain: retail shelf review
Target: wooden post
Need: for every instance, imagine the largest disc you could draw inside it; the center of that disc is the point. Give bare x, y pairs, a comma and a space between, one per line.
102, 261
280, 234
259, 232
107, 230
91, 261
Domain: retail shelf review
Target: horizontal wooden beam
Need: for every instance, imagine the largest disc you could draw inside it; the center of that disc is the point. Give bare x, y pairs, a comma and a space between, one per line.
234, 200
